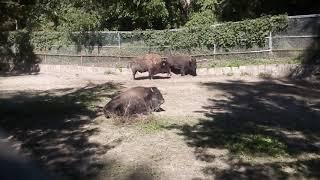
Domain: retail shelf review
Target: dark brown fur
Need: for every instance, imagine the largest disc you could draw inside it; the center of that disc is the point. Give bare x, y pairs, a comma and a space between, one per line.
137, 100
151, 63
183, 64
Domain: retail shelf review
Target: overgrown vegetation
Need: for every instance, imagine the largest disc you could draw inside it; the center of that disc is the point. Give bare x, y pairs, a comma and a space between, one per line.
95, 15
16, 52
244, 34
236, 62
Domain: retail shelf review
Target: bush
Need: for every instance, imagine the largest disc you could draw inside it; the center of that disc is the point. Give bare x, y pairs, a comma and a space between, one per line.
242, 34
245, 34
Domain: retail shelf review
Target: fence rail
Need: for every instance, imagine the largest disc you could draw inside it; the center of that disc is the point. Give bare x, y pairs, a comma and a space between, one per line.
301, 34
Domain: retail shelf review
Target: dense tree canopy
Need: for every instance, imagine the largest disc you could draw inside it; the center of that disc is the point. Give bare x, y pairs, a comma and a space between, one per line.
79, 15
233, 10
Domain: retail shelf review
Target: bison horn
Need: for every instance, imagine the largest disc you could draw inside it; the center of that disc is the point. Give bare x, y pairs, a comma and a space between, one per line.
152, 89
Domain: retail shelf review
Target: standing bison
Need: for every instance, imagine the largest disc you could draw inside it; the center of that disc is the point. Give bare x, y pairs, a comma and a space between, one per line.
183, 64
137, 100
151, 63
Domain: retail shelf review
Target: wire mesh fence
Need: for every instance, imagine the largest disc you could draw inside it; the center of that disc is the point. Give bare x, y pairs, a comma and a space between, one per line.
116, 48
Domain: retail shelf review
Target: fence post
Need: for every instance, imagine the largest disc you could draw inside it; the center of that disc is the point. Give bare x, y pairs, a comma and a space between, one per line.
119, 45
270, 43
46, 52
214, 51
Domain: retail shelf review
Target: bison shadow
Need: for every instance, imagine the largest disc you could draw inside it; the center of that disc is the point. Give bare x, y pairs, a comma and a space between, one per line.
160, 110
154, 77
178, 71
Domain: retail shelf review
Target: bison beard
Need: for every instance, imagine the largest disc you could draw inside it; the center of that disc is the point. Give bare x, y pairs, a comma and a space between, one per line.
137, 100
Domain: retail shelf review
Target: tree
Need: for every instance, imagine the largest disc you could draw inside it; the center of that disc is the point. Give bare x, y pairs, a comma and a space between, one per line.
234, 10
203, 12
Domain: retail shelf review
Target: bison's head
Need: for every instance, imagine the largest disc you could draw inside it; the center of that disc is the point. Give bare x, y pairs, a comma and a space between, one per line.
164, 66
156, 98
193, 67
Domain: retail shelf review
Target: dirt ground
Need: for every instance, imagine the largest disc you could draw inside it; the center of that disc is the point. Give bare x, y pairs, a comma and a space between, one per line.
183, 95
193, 139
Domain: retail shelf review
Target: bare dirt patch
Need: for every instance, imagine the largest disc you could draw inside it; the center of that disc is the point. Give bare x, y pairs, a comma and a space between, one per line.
204, 132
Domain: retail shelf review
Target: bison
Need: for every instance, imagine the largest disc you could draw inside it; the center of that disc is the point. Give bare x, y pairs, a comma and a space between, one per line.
153, 63
136, 100
183, 64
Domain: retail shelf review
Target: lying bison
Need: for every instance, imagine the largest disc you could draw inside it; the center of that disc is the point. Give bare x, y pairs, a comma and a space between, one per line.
183, 64
153, 63
137, 100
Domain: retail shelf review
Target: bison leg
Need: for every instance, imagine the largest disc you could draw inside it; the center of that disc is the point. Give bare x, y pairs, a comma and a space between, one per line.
134, 74
183, 71
169, 72
150, 74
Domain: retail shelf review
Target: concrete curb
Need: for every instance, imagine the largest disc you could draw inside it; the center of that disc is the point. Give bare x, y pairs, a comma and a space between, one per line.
272, 70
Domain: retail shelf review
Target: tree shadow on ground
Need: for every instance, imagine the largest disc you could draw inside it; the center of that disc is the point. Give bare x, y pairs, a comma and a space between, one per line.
54, 127
302, 170
267, 118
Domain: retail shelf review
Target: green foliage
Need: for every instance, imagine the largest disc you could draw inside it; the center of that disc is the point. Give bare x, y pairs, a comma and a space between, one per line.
16, 51
46, 39
202, 13
237, 10
151, 125
60, 15
138, 14
201, 18
65, 16
245, 34
236, 62
75, 19
256, 145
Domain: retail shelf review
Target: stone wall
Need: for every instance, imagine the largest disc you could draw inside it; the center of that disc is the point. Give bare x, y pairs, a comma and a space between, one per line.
277, 70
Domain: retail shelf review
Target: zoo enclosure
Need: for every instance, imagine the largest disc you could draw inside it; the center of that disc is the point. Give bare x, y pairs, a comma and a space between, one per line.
116, 47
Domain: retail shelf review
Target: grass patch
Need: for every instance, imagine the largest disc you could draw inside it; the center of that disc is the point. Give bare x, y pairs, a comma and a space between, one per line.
256, 145
146, 124
119, 67
245, 62
109, 72
265, 75
244, 74
152, 124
